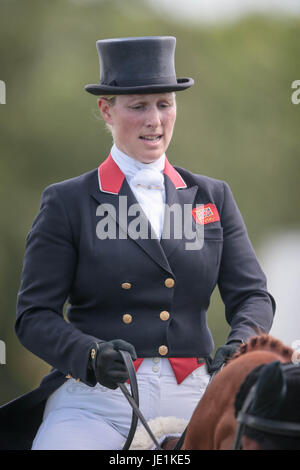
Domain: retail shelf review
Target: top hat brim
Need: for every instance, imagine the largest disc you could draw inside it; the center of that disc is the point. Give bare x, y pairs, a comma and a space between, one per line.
100, 89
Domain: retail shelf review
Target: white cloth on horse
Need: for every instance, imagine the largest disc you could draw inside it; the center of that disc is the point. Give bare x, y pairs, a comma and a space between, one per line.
146, 181
163, 428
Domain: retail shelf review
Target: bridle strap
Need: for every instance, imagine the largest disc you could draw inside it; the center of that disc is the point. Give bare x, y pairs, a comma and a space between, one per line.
133, 400
180, 441
283, 428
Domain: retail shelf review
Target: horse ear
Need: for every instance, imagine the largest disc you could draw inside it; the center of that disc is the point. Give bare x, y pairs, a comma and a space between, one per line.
270, 391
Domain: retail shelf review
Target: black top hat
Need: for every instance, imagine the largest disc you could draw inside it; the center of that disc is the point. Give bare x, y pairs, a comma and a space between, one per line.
137, 65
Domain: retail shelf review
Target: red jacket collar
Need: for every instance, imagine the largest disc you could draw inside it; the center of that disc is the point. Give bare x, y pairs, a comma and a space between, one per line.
111, 177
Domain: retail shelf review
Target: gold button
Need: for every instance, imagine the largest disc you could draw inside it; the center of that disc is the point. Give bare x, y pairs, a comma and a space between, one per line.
69, 376
163, 350
126, 285
169, 282
93, 353
164, 315
127, 318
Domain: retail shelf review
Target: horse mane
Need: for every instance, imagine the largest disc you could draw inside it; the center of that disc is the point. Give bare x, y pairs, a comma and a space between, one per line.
264, 342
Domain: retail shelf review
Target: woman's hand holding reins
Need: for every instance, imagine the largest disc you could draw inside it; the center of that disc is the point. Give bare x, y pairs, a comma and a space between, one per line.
222, 355
107, 362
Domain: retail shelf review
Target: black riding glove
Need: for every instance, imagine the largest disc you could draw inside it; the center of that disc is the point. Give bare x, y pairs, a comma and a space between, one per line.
108, 364
222, 355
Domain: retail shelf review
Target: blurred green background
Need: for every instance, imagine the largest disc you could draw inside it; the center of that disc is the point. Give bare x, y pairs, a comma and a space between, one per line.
237, 124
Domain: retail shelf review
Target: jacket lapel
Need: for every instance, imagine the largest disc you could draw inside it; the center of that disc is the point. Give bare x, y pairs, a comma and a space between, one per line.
173, 230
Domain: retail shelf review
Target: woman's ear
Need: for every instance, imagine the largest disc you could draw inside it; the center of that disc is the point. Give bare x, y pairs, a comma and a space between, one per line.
105, 110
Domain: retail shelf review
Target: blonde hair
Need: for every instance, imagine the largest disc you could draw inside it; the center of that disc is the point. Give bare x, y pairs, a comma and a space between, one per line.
111, 99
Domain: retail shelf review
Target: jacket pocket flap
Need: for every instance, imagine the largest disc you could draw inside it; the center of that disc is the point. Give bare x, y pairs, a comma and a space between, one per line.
213, 233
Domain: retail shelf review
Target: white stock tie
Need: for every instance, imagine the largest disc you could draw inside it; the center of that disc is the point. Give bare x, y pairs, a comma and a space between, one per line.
149, 179
148, 185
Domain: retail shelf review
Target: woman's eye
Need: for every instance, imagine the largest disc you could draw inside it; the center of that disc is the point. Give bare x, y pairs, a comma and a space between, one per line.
142, 106
136, 106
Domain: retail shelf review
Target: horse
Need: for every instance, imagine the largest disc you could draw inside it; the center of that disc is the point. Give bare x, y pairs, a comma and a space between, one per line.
213, 423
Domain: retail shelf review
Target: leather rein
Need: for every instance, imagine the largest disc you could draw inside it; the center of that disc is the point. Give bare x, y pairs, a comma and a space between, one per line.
133, 400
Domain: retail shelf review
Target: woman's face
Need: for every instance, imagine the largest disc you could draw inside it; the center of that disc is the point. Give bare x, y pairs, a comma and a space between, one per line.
142, 125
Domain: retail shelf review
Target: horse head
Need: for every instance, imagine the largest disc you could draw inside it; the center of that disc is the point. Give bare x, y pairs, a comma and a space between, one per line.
267, 408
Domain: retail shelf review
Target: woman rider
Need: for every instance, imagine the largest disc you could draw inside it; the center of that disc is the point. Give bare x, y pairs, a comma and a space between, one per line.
102, 240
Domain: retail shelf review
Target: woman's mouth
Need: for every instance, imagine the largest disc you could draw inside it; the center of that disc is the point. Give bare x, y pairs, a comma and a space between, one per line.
151, 139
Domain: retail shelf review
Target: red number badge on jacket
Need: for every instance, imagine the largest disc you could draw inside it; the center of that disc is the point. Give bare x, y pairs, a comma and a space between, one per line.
206, 214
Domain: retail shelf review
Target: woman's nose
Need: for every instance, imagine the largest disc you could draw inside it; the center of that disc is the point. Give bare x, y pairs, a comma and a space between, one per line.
153, 117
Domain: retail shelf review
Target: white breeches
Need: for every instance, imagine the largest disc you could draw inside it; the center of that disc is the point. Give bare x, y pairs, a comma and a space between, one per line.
79, 417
